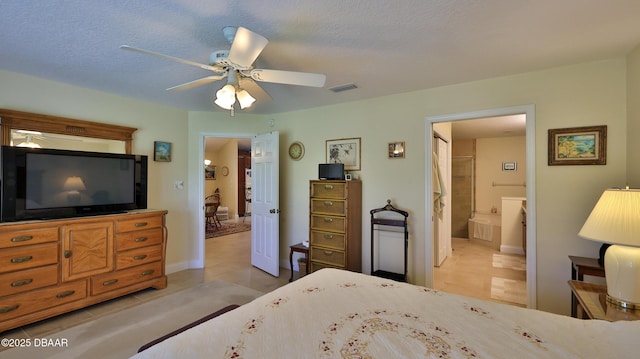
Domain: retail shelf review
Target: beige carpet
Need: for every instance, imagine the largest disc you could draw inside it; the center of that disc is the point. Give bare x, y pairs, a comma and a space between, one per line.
119, 335
509, 290
510, 261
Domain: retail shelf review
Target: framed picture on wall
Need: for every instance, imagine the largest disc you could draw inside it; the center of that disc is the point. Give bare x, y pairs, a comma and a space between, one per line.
161, 151
210, 172
346, 151
509, 166
578, 146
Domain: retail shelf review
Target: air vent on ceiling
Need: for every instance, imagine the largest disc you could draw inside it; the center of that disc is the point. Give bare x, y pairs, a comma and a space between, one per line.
345, 87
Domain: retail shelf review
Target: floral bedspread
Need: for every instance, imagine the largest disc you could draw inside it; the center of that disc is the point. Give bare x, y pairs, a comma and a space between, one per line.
339, 314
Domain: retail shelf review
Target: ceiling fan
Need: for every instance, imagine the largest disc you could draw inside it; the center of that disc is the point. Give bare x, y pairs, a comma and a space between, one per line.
236, 65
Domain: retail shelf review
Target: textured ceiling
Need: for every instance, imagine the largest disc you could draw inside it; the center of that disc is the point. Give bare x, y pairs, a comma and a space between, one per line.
384, 47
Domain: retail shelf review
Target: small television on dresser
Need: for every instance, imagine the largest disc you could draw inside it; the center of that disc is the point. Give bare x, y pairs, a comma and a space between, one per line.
331, 171
43, 183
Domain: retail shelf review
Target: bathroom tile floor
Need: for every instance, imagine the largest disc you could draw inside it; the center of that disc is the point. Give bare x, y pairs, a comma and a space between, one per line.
470, 271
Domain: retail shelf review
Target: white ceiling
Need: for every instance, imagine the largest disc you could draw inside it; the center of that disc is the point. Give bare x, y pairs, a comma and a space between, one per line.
384, 47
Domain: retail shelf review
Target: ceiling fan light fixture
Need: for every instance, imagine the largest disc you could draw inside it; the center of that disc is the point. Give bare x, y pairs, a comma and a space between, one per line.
224, 103
228, 91
245, 99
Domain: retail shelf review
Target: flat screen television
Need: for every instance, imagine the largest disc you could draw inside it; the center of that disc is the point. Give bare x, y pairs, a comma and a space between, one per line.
40, 183
331, 171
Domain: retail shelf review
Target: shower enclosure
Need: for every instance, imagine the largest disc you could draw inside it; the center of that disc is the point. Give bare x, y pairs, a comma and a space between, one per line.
462, 195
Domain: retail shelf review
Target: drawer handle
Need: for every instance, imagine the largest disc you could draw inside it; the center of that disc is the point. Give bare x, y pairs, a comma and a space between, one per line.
328, 236
328, 253
66, 294
140, 239
9, 308
148, 272
328, 186
21, 239
328, 220
141, 224
21, 259
140, 257
110, 282
20, 283
328, 203
67, 254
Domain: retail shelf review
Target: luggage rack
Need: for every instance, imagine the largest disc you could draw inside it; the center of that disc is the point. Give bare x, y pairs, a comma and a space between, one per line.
375, 222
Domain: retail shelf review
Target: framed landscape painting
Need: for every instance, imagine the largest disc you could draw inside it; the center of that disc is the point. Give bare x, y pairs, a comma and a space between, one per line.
161, 151
578, 146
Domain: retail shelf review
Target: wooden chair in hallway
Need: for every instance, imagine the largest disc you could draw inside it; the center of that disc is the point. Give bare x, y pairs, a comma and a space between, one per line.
211, 204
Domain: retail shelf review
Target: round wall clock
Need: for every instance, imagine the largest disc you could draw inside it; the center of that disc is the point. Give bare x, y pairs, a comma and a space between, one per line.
296, 150
225, 170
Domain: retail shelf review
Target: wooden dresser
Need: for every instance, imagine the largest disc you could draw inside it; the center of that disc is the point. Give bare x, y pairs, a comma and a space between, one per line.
335, 234
55, 266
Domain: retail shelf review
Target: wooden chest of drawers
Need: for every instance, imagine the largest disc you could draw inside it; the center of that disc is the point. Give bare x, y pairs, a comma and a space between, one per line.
335, 220
52, 267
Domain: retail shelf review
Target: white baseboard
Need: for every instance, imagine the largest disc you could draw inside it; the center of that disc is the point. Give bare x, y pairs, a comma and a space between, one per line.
180, 266
511, 250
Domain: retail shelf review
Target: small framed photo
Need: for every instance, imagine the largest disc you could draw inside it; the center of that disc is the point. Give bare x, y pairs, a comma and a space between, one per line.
509, 166
347, 176
578, 146
396, 149
345, 150
161, 151
210, 172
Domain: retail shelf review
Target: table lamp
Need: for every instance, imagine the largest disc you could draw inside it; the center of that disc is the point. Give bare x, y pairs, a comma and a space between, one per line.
615, 219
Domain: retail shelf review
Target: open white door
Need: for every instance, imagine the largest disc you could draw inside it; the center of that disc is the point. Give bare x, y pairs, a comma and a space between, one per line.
265, 211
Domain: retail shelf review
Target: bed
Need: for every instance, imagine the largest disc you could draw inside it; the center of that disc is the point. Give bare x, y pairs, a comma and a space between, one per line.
339, 314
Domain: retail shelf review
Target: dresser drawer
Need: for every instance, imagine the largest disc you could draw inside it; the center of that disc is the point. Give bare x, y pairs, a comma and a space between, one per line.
27, 303
328, 223
112, 281
328, 239
138, 239
18, 258
317, 266
336, 207
327, 189
137, 224
28, 279
138, 256
26, 237
327, 256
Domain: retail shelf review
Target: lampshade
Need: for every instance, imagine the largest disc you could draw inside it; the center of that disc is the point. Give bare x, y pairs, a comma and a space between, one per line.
245, 99
225, 97
74, 184
615, 218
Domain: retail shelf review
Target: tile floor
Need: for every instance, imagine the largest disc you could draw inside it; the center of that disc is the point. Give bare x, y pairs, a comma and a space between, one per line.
470, 271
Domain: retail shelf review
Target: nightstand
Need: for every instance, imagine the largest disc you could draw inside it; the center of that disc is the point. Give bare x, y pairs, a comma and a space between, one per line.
591, 303
581, 266
300, 248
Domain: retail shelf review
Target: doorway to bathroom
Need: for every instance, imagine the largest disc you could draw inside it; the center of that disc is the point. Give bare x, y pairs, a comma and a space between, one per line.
488, 163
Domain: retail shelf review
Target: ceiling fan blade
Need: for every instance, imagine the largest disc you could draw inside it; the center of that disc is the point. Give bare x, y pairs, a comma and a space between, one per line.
246, 47
254, 89
196, 83
288, 77
176, 59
